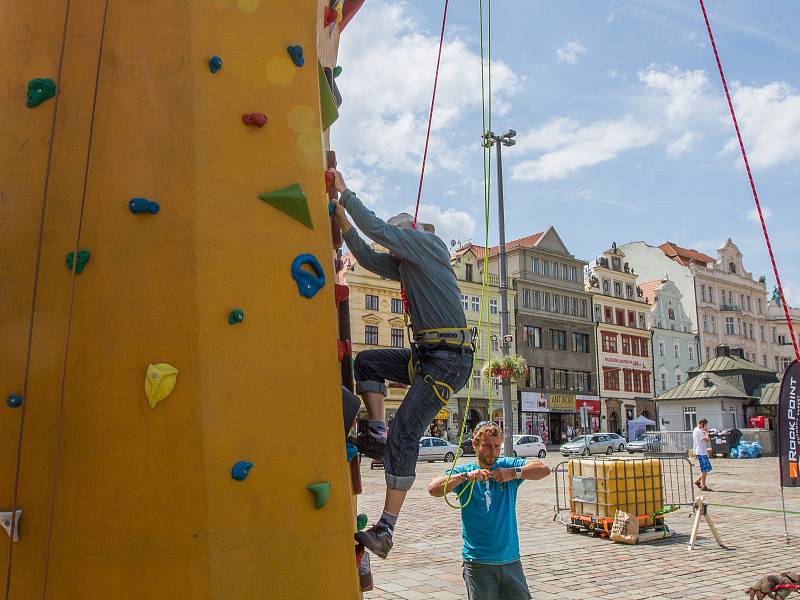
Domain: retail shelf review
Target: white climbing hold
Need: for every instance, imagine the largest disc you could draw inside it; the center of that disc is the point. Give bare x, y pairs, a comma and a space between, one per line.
5, 521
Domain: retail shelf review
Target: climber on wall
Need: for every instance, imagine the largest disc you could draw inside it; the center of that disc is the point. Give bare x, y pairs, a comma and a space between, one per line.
437, 365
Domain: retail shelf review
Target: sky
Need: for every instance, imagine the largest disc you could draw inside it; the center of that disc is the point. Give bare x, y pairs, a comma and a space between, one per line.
623, 131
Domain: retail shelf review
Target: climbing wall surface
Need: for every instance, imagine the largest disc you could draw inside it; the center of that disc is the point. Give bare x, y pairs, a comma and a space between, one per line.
121, 500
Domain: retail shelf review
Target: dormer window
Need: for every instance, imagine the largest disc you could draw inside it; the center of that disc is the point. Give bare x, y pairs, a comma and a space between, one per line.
616, 264
671, 314
731, 267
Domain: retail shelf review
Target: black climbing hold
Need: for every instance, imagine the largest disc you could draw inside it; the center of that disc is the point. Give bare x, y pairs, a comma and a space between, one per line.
296, 52
330, 76
39, 90
83, 258
143, 205
14, 401
241, 470
308, 284
215, 64
236, 316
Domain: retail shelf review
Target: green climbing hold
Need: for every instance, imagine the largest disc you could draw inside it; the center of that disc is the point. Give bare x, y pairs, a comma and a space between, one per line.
361, 521
326, 100
83, 258
321, 491
39, 90
337, 71
292, 201
236, 316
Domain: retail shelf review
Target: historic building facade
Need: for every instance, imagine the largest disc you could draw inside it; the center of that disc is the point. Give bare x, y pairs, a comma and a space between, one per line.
675, 349
726, 305
778, 332
623, 340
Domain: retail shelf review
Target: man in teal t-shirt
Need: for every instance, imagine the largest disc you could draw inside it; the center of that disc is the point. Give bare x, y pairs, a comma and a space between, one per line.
492, 567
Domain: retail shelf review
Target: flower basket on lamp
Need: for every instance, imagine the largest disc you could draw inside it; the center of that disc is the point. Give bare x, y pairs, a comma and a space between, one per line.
508, 368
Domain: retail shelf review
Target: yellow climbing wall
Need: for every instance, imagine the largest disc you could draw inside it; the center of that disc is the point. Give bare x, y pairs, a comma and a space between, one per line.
121, 500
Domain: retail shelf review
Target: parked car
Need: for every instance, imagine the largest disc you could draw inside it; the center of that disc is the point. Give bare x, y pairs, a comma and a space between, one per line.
647, 442
466, 446
433, 448
618, 440
597, 443
527, 445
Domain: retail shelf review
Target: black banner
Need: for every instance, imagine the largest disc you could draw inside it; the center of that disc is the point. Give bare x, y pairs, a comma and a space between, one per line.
789, 427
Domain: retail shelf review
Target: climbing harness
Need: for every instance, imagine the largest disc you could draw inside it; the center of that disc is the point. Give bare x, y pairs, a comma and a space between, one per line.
452, 337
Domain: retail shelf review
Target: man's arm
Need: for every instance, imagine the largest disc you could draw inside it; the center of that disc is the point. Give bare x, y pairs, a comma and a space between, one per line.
380, 263
437, 485
531, 471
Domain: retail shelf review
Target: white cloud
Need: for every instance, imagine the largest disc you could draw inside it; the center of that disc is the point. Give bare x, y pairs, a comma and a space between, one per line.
568, 146
388, 64
683, 95
570, 52
681, 145
770, 120
752, 215
450, 223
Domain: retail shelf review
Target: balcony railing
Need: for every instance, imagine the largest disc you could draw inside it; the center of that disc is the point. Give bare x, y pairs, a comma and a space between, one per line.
730, 307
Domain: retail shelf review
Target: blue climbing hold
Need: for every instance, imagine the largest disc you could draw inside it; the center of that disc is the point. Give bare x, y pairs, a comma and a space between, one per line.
241, 470
14, 401
352, 450
331, 207
308, 284
143, 205
296, 52
215, 64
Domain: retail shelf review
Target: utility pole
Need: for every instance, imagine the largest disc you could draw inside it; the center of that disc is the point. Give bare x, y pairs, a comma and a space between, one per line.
507, 139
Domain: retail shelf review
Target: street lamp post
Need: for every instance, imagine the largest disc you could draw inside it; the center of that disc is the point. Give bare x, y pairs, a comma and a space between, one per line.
507, 139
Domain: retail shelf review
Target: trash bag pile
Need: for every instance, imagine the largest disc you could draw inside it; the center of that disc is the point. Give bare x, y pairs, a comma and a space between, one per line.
746, 450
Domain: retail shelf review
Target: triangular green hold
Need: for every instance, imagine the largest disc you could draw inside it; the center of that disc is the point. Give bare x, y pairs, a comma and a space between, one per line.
292, 201
321, 491
326, 100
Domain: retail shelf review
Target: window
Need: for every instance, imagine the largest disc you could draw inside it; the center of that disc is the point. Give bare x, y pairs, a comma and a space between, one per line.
631, 319
611, 379
663, 381
628, 380
774, 335
645, 346
764, 359
397, 338
739, 327
678, 377
629, 291
580, 342
465, 302
397, 306
729, 325
371, 335
537, 299
468, 272
559, 379
573, 274
752, 336
641, 321
476, 380
559, 339
556, 303
635, 346
526, 298
626, 344
708, 353
532, 336
371, 302
620, 314
493, 306
676, 350
759, 305
546, 301
690, 417
535, 377
703, 292
637, 381
476, 304
616, 264
741, 301
761, 329
705, 323
661, 348
710, 294
609, 341
609, 314
582, 381
732, 267
691, 352
645, 381
782, 340
584, 309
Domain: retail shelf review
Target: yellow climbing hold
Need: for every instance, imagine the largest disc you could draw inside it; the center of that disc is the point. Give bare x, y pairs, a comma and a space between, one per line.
159, 382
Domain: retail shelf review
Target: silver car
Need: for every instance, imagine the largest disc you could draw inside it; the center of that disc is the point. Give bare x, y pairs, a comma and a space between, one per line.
646, 442
597, 443
433, 448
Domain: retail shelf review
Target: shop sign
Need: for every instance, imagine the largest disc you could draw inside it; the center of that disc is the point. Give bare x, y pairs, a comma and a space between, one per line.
442, 415
593, 402
625, 362
562, 402
534, 402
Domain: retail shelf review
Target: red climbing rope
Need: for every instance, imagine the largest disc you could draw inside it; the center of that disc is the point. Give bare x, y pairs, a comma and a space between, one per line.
752, 183
430, 115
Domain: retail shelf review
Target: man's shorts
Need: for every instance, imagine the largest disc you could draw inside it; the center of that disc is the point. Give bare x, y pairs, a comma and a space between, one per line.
705, 463
490, 582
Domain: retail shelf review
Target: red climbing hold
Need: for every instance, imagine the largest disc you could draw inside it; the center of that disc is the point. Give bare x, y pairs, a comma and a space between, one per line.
330, 16
342, 293
256, 119
349, 10
344, 348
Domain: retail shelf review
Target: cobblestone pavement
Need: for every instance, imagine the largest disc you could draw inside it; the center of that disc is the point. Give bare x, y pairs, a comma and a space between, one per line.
425, 562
